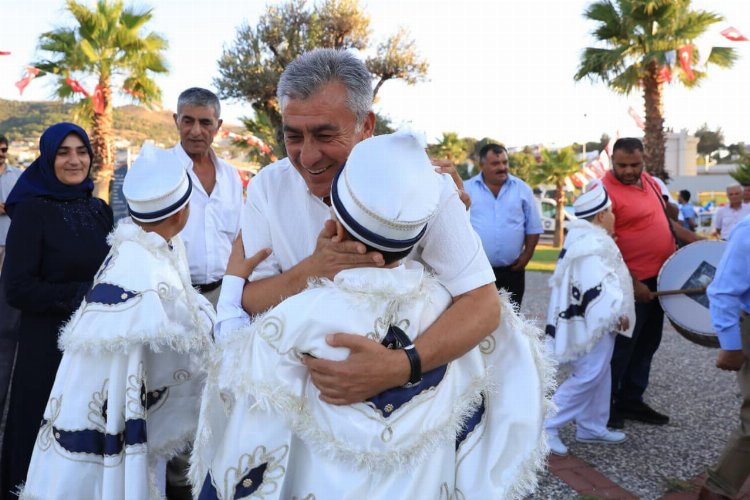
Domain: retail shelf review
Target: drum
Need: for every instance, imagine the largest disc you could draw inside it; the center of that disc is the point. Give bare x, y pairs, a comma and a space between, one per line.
692, 266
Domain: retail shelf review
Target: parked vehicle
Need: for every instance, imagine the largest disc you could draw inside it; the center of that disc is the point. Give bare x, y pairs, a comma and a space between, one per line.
548, 209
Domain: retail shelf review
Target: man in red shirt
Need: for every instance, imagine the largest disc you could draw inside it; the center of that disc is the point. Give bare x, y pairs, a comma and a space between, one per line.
643, 234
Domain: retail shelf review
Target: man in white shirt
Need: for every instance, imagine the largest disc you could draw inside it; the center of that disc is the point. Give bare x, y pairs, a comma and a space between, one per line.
214, 219
730, 214
217, 197
325, 98
8, 177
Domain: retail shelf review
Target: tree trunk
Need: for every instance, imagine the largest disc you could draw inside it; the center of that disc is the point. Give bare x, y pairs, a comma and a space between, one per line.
557, 241
102, 142
654, 133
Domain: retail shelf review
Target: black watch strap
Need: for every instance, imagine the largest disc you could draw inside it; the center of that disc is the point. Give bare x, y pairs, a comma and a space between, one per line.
415, 363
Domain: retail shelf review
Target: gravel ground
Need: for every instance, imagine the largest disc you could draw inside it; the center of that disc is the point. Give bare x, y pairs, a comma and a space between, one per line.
702, 401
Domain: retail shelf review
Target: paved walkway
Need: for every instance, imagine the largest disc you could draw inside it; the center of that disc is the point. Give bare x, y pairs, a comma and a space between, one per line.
656, 462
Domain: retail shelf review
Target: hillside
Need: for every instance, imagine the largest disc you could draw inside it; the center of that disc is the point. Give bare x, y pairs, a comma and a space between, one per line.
27, 120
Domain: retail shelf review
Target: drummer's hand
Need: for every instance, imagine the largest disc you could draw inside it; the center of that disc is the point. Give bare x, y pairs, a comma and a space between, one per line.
624, 324
730, 360
642, 293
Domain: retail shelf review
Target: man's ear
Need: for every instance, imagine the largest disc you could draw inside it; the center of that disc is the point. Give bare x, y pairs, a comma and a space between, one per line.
368, 127
221, 122
174, 117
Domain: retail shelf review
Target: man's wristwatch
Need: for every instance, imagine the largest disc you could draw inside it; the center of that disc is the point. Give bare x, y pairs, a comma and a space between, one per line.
415, 364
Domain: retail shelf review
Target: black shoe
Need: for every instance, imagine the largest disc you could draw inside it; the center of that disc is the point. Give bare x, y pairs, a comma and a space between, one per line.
615, 420
640, 411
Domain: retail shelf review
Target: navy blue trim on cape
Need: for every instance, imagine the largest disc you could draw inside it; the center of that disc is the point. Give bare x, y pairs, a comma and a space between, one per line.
254, 476
471, 423
392, 399
362, 232
95, 442
152, 216
109, 294
589, 295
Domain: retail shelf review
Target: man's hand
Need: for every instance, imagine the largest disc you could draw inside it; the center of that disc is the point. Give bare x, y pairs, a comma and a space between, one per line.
332, 255
2, 208
521, 262
642, 293
730, 360
446, 167
238, 265
370, 369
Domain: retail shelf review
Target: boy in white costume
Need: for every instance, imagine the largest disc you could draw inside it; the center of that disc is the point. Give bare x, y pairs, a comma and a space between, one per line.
126, 395
468, 429
591, 302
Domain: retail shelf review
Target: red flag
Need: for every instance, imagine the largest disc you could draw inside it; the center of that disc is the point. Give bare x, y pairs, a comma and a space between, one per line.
685, 55
732, 34
665, 75
76, 86
225, 133
636, 118
4, 53
30, 74
97, 100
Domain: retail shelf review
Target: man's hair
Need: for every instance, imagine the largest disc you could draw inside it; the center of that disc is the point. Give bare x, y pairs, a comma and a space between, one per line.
685, 195
4, 140
495, 148
732, 186
196, 96
311, 71
628, 144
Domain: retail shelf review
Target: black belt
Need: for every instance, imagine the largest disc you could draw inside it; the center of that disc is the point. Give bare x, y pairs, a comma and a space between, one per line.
208, 287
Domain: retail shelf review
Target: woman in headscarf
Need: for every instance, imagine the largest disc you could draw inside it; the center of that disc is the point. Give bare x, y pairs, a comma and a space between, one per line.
56, 242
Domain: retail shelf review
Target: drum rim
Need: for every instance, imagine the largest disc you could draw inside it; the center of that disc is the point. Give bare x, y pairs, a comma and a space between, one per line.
662, 298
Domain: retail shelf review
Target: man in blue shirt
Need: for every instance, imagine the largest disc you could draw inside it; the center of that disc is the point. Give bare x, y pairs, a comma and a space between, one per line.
687, 210
506, 217
729, 298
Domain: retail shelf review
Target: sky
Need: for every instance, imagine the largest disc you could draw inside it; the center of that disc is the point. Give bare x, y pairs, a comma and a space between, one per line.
498, 68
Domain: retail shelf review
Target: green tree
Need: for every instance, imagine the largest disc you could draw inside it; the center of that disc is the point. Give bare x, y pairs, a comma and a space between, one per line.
250, 68
636, 36
554, 168
709, 141
108, 45
449, 147
742, 173
523, 165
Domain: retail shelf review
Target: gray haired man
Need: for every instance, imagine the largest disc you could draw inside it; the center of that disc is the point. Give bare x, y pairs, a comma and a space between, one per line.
325, 98
8, 177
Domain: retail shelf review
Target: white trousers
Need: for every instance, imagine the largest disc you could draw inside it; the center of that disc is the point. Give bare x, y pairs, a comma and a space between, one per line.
585, 396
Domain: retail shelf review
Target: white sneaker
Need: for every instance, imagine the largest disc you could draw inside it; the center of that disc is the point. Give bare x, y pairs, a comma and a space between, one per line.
610, 437
556, 446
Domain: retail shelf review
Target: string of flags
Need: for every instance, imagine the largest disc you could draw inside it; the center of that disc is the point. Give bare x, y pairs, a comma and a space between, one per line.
250, 140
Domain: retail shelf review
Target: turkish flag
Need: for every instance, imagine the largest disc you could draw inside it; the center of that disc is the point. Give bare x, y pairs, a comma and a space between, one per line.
97, 100
665, 75
637, 118
23, 82
733, 35
73, 84
4, 53
685, 55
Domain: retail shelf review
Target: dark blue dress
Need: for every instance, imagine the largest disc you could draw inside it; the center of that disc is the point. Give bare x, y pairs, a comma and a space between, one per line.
53, 250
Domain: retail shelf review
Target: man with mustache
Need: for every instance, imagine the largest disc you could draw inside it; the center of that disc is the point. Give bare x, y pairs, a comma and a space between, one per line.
505, 215
325, 97
643, 234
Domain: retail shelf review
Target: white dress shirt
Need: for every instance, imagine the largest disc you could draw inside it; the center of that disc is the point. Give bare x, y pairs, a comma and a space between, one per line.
213, 222
281, 213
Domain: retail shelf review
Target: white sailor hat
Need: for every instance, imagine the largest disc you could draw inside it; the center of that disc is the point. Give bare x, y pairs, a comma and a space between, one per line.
157, 185
594, 200
387, 191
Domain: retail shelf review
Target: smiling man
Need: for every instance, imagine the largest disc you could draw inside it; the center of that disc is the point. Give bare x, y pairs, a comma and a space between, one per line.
506, 217
325, 98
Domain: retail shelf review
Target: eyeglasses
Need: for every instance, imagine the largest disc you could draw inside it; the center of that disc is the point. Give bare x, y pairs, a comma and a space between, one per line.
4, 150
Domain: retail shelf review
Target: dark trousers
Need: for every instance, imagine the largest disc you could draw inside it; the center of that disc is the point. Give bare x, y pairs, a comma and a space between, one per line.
512, 281
631, 360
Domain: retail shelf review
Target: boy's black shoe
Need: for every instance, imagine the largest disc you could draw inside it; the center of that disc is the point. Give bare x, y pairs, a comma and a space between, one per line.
640, 411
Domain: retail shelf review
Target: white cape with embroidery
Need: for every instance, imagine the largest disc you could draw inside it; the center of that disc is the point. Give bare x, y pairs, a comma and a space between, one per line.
471, 429
591, 290
127, 390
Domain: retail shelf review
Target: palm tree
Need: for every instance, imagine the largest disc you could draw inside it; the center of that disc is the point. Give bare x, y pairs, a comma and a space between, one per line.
107, 46
637, 36
555, 167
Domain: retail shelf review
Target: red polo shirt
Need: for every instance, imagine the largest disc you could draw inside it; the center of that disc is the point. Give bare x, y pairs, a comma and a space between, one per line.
641, 227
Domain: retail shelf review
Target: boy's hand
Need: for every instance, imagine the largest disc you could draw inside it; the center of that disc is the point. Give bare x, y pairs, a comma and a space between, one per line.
238, 265
730, 360
624, 324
